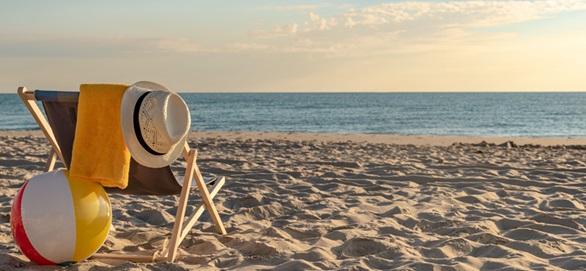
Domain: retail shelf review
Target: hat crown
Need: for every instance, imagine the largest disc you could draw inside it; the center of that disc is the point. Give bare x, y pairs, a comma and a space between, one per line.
155, 123
164, 120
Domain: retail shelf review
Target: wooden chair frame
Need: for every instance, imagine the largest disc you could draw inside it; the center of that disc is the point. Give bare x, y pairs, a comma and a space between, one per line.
181, 227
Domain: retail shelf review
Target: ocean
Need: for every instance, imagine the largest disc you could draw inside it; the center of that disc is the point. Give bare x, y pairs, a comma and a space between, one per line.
540, 114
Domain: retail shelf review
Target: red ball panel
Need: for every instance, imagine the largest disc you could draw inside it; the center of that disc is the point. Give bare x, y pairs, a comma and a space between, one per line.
19, 233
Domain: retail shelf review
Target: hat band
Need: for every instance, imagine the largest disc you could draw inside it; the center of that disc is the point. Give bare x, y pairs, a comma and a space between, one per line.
137, 130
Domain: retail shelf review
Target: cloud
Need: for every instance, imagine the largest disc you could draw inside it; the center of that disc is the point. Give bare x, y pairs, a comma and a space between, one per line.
186, 46
114, 47
300, 7
409, 26
55, 46
457, 13
378, 29
281, 30
178, 45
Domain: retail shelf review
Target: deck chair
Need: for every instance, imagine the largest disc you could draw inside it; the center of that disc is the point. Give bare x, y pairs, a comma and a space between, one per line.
58, 125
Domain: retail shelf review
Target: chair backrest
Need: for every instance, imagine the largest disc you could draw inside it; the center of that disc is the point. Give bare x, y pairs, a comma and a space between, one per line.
61, 111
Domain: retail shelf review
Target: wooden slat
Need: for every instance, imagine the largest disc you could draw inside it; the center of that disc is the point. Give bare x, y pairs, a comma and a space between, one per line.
128, 257
28, 97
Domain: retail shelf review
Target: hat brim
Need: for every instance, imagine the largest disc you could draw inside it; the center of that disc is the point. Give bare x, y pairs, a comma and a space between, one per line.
138, 153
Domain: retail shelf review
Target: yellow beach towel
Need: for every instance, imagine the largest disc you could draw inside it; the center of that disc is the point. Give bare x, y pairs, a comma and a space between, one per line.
99, 152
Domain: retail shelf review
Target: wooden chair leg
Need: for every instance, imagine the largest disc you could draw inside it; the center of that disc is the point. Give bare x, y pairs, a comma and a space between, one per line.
207, 199
190, 222
28, 97
51, 161
179, 231
174, 242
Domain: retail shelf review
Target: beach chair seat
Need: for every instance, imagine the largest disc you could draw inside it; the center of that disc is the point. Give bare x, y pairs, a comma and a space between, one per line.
58, 125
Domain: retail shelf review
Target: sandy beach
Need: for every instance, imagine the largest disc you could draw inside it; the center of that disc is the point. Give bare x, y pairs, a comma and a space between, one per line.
349, 202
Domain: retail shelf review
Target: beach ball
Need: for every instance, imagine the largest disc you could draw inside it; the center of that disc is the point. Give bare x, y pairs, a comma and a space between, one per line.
56, 219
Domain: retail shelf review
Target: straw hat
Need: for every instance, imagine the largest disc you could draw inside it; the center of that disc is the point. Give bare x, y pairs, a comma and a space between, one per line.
155, 123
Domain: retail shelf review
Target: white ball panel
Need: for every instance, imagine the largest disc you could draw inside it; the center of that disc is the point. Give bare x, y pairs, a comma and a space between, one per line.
48, 216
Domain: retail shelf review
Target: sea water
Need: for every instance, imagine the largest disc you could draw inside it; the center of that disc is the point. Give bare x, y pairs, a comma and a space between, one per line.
552, 114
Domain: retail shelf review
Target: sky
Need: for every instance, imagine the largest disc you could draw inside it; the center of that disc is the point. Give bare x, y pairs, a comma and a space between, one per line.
295, 46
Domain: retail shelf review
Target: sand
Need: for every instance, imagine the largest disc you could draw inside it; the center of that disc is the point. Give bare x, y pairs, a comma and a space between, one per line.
350, 202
